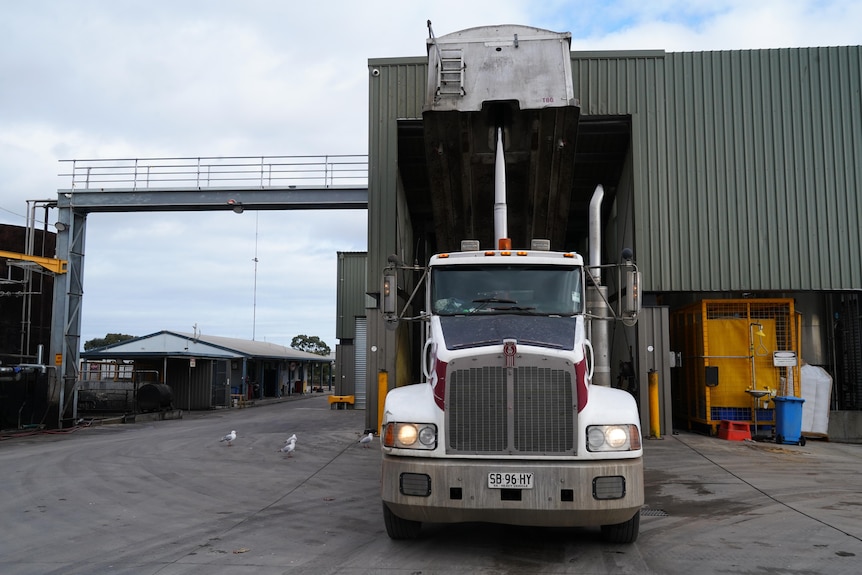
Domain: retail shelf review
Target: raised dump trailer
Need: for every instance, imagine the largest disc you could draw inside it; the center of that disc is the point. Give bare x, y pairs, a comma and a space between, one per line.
507, 425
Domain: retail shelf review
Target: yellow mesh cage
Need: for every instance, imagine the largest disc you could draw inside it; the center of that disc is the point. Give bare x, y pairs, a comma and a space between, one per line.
727, 347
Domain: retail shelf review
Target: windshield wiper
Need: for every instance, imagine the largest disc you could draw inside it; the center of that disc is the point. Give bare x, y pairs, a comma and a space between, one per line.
483, 303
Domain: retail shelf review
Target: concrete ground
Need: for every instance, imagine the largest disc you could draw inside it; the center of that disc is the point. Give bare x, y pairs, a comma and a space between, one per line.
167, 497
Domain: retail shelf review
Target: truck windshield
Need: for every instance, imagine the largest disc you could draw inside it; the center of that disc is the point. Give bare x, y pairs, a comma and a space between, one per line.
538, 290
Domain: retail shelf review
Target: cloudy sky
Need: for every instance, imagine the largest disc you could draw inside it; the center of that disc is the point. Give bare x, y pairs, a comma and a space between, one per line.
102, 79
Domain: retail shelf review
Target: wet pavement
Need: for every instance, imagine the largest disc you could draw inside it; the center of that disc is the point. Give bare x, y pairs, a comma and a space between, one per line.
167, 497
752, 507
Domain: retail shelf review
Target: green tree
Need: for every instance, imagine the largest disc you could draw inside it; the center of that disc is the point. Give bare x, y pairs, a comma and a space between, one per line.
311, 344
109, 339
320, 372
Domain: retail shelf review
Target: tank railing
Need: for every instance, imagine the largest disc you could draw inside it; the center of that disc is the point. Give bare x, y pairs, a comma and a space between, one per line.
209, 172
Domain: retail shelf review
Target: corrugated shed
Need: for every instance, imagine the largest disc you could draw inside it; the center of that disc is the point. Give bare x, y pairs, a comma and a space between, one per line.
351, 292
747, 163
179, 344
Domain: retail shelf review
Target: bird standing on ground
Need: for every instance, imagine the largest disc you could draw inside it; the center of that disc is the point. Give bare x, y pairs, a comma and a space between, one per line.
289, 446
366, 440
229, 438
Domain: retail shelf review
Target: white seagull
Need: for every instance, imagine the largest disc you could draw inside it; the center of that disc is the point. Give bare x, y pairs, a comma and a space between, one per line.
289, 447
229, 438
366, 440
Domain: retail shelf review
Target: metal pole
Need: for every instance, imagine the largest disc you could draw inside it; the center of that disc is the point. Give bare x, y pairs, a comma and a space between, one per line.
654, 419
382, 389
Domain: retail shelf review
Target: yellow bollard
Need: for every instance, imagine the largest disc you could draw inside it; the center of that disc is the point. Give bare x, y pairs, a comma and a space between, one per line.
382, 390
654, 426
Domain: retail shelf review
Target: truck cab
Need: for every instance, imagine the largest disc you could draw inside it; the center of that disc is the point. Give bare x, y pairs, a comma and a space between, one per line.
507, 427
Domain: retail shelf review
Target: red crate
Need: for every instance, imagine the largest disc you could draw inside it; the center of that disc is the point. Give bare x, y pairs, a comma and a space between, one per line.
734, 430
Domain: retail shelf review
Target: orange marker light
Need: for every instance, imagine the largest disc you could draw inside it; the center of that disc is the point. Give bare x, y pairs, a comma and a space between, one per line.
389, 435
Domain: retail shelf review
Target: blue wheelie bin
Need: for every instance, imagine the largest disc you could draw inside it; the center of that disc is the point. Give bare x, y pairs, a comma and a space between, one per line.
788, 420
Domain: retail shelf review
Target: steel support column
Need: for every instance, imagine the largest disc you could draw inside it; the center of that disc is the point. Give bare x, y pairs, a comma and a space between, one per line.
66, 317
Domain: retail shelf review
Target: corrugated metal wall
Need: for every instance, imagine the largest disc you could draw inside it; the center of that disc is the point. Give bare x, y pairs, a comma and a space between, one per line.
633, 83
396, 91
764, 153
654, 355
192, 386
350, 302
345, 369
748, 164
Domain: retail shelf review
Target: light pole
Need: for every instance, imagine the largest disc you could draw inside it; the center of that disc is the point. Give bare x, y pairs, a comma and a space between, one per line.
254, 295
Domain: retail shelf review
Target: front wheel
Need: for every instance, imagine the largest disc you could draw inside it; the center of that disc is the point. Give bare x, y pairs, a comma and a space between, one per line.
625, 532
398, 528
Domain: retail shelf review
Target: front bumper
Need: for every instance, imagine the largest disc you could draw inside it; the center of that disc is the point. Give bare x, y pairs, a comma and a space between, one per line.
564, 493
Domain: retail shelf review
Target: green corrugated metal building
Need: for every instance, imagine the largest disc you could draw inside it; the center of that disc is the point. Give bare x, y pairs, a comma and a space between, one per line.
731, 174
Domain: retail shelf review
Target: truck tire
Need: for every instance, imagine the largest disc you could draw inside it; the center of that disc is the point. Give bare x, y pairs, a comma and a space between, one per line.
625, 532
398, 528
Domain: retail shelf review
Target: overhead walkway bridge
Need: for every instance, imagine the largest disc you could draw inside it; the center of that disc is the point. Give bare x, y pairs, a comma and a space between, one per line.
179, 184
217, 183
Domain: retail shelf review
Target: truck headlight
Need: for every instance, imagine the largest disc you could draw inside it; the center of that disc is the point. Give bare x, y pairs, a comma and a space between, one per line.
613, 438
410, 435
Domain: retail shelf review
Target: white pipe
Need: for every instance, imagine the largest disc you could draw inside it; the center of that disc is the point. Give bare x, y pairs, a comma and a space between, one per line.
500, 212
596, 232
597, 296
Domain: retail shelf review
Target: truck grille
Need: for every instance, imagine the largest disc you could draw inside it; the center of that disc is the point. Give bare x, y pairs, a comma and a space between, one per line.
526, 410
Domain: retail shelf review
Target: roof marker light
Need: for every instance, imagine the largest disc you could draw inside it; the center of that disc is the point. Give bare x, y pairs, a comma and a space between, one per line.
541, 245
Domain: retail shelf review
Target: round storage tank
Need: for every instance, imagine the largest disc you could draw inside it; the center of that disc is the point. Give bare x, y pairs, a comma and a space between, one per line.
154, 397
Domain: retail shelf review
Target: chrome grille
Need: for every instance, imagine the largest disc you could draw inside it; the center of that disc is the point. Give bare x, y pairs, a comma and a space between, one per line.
477, 410
526, 409
544, 410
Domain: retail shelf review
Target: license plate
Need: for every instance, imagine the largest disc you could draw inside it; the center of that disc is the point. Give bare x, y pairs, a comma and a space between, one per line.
503, 480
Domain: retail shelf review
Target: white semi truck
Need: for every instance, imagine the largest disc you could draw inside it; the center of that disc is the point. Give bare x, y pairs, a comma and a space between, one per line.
508, 425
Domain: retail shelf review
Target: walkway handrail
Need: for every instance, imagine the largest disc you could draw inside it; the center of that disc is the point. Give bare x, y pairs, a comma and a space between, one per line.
217, 171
